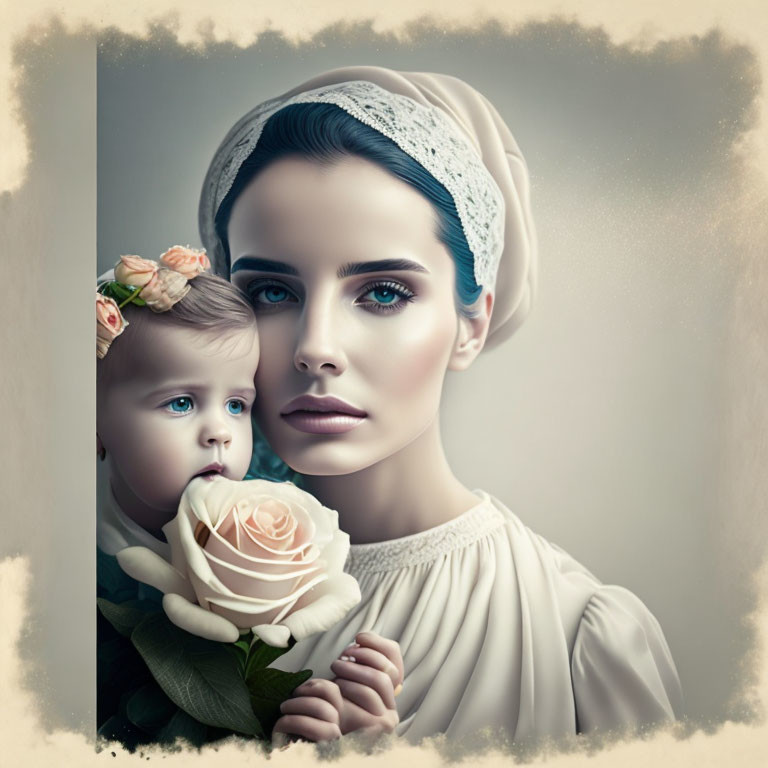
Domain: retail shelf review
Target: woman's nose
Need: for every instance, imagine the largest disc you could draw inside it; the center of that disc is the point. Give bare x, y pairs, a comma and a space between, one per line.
319, 347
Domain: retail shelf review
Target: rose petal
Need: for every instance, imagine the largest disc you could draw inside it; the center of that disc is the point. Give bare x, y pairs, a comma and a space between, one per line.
249, 603
335, 553
324, 606
150, 568
282, 563
275, 635
241, 581
245, 619
258, 549
197, 621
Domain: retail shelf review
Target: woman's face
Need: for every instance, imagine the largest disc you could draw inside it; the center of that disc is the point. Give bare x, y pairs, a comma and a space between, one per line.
356, 310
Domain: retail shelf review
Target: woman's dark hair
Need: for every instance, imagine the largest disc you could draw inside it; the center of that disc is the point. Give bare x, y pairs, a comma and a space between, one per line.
325, 133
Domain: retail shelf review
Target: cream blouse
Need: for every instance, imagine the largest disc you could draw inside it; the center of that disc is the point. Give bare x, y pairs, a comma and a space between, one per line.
499, 628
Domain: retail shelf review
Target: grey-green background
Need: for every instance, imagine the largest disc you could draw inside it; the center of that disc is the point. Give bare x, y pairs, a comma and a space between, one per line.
613, 423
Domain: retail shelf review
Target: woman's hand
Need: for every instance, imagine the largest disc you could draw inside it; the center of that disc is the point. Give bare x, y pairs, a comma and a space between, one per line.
313, 713
369, 674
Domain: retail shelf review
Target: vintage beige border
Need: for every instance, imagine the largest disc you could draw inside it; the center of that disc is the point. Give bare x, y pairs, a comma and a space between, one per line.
25, 739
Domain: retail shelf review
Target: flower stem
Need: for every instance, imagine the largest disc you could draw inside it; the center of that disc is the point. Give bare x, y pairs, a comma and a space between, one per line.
130, 298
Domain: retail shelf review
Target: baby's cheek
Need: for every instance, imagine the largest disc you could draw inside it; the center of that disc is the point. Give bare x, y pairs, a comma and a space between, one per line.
162, 460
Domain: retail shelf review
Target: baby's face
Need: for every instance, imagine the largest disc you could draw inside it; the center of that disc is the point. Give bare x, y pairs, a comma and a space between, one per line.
183, 411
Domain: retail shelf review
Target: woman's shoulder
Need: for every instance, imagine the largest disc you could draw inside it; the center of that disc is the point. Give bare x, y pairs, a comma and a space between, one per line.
622, 670
569, 577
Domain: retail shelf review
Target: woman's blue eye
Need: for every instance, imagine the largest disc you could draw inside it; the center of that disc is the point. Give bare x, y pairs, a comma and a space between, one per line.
180, 405
235, 407
383, 295
264, 294
388, 296
274, 293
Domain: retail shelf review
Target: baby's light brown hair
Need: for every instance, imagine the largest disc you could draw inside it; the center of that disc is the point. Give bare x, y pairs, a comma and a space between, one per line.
212, 305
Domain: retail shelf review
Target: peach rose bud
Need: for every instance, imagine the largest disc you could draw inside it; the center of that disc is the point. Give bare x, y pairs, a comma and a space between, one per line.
135, 271
164, 290
188, 261
109, 323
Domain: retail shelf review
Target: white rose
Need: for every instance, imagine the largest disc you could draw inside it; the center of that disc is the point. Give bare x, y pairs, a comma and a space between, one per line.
250, 555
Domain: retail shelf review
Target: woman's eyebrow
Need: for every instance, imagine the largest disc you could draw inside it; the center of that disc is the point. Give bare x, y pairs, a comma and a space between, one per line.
257, 264
382, 265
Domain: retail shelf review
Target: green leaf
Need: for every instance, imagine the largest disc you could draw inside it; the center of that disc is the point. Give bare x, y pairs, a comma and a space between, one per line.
149, 708
182, 726
243, 645
125, 616
120, 292
261, 655
117, 291
240, 651
269, 688
199, 676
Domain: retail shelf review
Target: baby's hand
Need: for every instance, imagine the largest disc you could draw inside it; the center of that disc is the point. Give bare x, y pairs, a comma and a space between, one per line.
369, 674
312, 713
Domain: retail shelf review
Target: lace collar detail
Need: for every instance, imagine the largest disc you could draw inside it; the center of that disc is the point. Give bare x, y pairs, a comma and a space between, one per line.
426, 546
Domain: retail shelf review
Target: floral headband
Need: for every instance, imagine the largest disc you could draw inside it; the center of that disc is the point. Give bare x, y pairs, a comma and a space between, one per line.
143, 282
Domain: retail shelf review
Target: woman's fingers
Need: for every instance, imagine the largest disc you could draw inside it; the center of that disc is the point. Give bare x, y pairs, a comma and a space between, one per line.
307, 727
390, 649
379, 682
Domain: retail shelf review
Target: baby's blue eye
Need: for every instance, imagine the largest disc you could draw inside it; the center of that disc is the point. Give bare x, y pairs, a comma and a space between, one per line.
235, 407
180, 405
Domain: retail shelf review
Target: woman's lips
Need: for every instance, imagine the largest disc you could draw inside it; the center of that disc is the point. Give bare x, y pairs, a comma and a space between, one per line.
328, 423
324, 415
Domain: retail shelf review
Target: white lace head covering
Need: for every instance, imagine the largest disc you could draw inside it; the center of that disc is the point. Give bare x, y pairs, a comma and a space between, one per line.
449, 129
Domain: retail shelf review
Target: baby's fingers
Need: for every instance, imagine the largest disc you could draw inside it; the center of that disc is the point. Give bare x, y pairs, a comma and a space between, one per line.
389, 648
312, 706
372, 678
318, 687
365, 696
313, 713
370, 658
307, 727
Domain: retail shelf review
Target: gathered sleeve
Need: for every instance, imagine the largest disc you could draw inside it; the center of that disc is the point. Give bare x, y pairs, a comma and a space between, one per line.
622, 670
